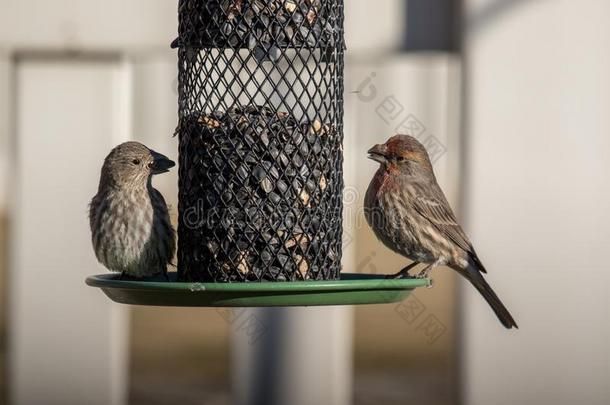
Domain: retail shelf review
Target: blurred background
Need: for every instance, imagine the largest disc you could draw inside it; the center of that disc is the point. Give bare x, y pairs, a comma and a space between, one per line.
511, 98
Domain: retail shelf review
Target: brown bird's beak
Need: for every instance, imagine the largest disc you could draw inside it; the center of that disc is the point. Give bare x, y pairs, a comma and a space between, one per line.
378, 153
160, 163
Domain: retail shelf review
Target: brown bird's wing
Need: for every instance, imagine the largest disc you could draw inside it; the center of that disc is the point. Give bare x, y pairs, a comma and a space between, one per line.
430, 203
162, 210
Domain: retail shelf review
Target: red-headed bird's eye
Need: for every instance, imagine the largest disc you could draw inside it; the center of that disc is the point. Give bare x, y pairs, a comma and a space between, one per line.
136, 161
151, 164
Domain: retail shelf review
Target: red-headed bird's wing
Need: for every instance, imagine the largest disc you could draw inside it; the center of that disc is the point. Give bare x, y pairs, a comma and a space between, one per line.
430, 202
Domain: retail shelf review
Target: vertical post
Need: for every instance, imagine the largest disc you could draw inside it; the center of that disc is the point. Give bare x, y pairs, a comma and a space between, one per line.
67, 343
294, 356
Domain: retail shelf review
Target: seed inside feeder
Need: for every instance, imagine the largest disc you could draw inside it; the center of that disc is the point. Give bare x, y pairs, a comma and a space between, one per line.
209, 122
290, 6
322, 182
300, 240
304, 196
261, 26
266, 180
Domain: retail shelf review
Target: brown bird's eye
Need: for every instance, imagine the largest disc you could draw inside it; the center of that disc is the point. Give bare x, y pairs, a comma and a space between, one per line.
136, 161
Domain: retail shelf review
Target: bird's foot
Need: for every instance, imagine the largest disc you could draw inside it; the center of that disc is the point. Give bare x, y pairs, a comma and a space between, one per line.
166, 277
424, 273
404, 273
399, 276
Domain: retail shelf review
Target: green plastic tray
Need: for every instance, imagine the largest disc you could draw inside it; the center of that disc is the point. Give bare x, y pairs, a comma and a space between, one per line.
352, 289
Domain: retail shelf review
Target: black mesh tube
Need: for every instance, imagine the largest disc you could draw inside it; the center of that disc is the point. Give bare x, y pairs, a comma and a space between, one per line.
260, 130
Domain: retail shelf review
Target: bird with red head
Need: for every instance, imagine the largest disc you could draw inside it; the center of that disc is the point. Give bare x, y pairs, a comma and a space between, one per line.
409, 213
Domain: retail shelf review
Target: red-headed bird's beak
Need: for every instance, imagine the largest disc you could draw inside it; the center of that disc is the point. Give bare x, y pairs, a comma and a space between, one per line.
378, 153
160, 163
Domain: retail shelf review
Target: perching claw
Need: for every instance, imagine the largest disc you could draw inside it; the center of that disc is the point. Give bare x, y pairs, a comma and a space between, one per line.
424, 273
404, 273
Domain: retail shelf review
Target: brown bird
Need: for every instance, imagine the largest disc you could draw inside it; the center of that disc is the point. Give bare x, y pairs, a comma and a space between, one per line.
409, 213
130, 226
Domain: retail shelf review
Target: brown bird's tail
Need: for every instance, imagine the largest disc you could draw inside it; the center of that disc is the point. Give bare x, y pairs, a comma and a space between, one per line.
473, 275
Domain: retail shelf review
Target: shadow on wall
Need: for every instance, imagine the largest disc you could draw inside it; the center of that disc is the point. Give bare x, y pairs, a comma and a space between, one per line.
490, 13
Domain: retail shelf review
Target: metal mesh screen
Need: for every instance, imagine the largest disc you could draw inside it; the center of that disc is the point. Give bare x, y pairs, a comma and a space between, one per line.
260, 130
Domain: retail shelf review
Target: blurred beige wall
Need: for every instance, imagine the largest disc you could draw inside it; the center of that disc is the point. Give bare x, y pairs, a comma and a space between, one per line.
135, 25
68, 113
538, 178
72, 59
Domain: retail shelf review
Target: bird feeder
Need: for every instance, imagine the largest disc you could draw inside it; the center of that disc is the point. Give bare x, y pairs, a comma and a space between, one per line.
260, 161
260, 132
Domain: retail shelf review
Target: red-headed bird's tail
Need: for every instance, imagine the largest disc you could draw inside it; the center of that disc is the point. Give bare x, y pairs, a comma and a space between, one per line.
473, 274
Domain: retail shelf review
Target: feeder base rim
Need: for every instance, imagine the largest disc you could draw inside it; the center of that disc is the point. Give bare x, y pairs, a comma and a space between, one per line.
351, 289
